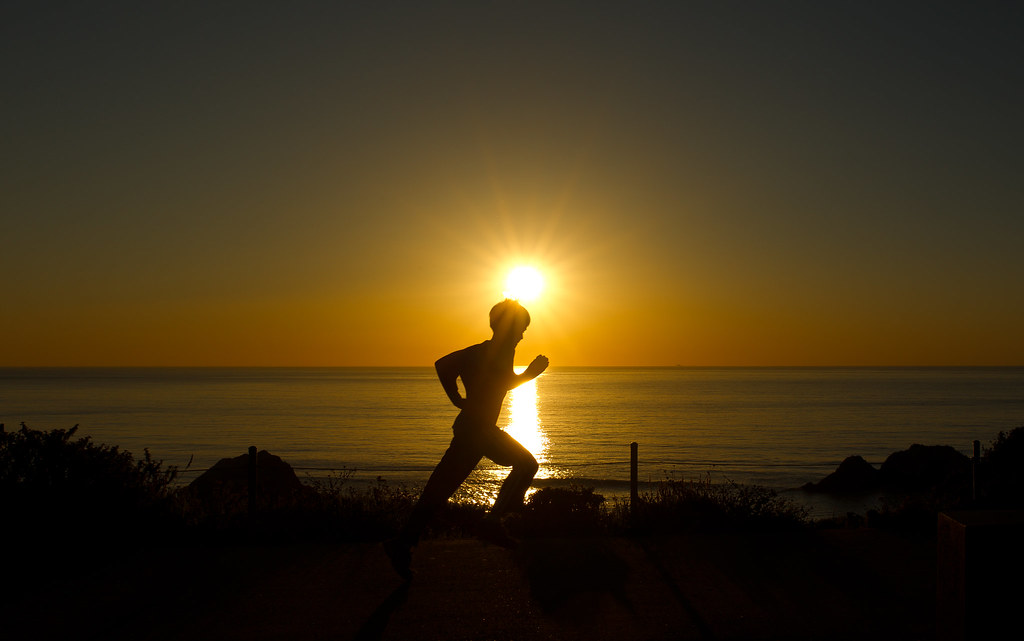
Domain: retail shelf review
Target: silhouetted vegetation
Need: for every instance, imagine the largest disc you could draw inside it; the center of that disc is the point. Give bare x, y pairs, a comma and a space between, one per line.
913, 514
572, 511
54, 486
369, 513
680, 505
69, 505
321, 509
1001, 476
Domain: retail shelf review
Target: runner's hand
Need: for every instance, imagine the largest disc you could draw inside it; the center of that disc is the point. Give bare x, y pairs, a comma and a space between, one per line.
538, 365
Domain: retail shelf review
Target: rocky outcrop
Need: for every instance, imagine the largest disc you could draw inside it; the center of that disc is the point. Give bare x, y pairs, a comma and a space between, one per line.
925, 468
225, 486
921, 468
854, 475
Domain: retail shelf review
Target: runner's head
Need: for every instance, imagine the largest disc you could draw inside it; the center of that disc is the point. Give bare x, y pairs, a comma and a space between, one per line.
509, 320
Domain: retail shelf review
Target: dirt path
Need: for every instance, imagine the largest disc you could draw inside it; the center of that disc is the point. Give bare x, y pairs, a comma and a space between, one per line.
830, 585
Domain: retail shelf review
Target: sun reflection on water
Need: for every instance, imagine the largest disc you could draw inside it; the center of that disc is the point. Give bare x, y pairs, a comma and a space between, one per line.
524, 422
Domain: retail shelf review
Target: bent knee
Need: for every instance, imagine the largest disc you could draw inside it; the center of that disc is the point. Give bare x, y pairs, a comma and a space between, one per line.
528, 465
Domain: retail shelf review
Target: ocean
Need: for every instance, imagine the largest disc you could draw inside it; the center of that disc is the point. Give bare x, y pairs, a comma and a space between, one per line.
776, 427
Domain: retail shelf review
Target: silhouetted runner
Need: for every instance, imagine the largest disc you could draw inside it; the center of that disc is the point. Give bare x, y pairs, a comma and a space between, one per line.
487, 374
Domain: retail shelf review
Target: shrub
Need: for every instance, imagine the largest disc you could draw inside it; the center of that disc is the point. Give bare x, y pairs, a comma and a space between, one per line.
1003, 472
564, 511
334, 509
912, 514
703, 505
54, 486
375, 512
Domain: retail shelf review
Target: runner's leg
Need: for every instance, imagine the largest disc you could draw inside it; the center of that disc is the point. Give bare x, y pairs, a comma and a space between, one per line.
501, 448
456, 464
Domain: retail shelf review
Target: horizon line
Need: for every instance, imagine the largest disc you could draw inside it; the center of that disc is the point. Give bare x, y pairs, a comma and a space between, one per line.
608, 366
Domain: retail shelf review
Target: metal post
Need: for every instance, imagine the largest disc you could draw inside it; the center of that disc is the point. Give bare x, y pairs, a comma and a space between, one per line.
253, 479
634, 492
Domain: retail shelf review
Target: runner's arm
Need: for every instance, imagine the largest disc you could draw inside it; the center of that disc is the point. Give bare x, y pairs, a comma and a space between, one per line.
448, 369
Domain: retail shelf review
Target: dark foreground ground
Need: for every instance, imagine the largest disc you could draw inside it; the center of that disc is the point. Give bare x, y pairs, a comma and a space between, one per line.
834, 584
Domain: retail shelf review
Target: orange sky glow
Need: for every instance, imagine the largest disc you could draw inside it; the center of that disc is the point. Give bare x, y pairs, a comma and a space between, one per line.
329, 185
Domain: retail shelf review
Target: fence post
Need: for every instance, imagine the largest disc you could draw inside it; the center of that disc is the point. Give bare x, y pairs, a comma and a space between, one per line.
634, 491
253, 479
974, 471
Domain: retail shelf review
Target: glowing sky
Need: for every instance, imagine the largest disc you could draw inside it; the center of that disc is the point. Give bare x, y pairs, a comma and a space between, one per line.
257, 183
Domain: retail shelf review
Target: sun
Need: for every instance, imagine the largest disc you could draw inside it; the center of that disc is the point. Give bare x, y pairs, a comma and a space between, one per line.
524, 284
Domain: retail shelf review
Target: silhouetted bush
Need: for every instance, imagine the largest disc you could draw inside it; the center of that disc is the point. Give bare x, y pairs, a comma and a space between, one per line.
456, 519
324, 509
913, 514
703, 505
372, 513
56, 487
554, 511
1002, 473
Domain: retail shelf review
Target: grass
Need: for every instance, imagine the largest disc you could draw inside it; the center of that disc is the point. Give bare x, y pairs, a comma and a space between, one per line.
702, 505
54, 485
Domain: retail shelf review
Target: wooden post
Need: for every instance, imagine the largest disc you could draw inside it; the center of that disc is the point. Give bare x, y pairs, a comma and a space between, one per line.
634, 491
253, 479
974, 471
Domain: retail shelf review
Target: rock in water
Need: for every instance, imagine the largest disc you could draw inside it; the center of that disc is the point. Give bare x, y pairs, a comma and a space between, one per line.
854, 475
925, 468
